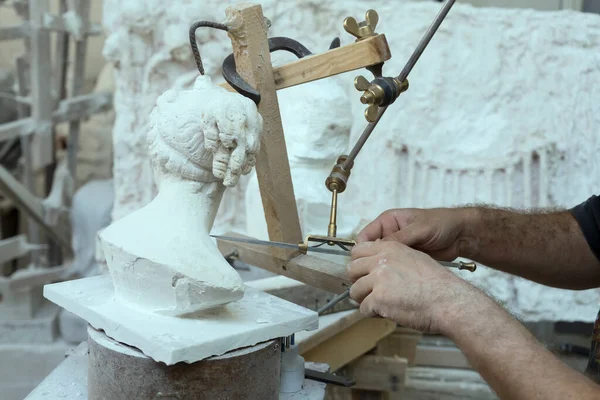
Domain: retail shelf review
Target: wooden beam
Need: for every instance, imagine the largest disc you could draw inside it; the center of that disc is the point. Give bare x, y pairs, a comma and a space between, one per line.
82, 8
13, 248
32, 206
248, 34
14, 129
400, 344
14, 32
311, 270
351, 343
444, 383
42, 142
329, 326
380, 373
357, 55
440, 356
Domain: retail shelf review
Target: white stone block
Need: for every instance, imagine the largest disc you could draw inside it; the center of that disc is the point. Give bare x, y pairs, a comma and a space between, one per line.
255, 318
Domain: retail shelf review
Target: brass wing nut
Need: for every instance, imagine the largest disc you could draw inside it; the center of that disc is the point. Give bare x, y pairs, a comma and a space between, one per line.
362, 30
380, 92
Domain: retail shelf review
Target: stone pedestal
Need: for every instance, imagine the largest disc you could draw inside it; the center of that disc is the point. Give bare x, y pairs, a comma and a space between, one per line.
119, 372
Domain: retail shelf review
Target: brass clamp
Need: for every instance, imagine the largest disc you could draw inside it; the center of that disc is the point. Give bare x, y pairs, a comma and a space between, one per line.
381, 91
344, 244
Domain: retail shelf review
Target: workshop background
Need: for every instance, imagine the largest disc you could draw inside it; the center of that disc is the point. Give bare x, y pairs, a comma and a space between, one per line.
502, 110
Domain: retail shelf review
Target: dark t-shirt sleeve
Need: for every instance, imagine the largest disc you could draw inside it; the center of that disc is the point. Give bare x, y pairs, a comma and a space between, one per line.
587, 215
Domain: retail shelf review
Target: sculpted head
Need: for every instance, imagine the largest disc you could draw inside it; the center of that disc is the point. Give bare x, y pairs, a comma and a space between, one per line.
204, 134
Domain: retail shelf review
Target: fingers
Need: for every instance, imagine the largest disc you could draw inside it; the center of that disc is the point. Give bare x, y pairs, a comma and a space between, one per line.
362, 288
237, 161
362, 266
368, 249
367, 307
221, 161
381, 227
411, 235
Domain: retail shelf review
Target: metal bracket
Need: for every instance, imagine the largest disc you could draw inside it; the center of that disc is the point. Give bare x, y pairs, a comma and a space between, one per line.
344, 244
328, 378
275, 44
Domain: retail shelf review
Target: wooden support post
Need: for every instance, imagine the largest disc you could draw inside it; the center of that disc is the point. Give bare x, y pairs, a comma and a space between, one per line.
313, 271
248, 33
82, 8
42, 142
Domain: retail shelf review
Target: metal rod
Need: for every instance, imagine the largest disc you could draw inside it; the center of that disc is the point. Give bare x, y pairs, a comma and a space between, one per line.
426, 39
332, 228
329, 305
362, 140
402, 76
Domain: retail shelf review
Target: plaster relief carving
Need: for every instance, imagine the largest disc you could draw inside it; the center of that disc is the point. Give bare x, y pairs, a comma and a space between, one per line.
161, 257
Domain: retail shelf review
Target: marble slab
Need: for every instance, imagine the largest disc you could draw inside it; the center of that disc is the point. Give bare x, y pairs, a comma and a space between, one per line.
255, 318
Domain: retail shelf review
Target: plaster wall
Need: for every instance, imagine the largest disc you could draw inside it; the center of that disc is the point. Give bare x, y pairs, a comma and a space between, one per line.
500, 111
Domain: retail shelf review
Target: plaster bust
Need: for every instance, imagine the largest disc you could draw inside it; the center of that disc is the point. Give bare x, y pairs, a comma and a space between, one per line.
161, 257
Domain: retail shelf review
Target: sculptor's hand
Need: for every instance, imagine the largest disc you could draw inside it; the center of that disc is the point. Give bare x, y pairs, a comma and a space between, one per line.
405, 285
437, 232
233, 136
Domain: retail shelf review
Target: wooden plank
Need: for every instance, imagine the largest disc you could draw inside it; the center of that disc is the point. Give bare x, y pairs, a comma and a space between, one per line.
32, 206
357, 55
58, 24
68, 110
248, 33
380, 373
441, 382
299, 293
14, 32
440, 356
351, 343
82, 7
82, 106
14, 129
329, 326
42, 143
311, 270
13, 248
400, 345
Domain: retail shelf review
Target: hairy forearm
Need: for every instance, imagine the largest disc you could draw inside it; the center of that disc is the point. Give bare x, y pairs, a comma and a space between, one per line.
548, 248
508, 357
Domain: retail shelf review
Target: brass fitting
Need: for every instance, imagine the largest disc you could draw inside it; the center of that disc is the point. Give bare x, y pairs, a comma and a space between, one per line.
363, 29
338, 178
469, 266
380, 92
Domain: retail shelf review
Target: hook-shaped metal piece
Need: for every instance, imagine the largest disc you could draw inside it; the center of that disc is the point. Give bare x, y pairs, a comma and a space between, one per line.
194, 44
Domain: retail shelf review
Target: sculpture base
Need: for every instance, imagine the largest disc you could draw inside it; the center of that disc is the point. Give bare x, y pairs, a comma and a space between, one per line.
119, 372
256, 318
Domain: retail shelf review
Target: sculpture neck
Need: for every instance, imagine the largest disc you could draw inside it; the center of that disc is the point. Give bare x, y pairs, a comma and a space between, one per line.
191, 203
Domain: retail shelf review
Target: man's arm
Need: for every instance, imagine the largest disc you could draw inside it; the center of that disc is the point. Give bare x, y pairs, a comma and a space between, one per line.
410, 288
509, 358
552, 248
549, 248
